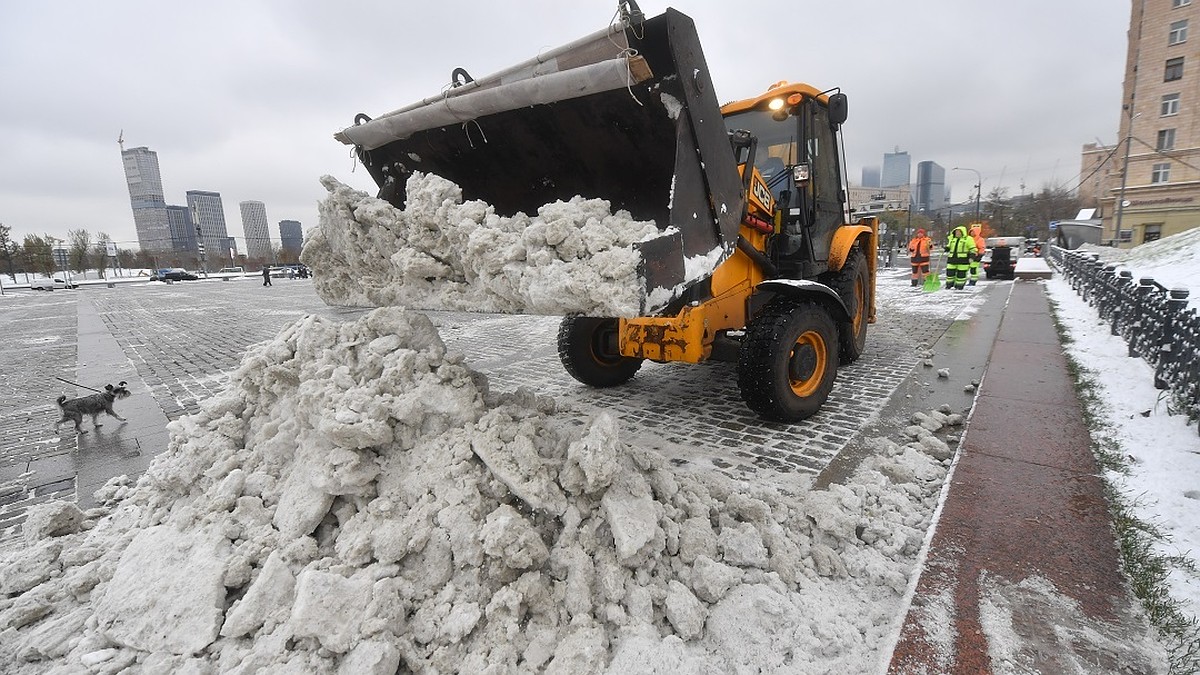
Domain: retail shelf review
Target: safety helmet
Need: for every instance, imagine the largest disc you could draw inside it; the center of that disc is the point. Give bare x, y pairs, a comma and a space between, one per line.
920, 232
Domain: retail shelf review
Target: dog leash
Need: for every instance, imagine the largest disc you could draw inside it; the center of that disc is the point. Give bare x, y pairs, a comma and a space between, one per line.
78, 385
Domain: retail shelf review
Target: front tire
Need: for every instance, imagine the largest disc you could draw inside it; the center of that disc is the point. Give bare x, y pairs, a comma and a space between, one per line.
788, 360
853, 285
588, 348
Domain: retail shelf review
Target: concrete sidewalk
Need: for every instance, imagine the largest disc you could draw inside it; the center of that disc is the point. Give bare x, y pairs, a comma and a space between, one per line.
116, 448
1022, 573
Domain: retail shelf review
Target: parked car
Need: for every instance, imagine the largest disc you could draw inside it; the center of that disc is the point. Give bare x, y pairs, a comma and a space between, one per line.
297, 271
173, 274
51, 284
232, 270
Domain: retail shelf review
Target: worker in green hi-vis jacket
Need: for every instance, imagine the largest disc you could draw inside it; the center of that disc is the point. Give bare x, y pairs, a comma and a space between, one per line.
960, 249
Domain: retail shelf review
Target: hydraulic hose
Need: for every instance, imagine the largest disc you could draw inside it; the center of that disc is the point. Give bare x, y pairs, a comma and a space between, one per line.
768, 267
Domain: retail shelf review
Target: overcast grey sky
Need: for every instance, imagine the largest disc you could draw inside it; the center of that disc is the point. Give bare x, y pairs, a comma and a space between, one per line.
243, 97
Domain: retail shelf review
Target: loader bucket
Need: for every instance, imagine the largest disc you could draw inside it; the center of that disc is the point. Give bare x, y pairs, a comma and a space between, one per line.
627, 114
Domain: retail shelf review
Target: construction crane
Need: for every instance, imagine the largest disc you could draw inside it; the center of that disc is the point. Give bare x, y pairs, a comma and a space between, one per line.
121, 140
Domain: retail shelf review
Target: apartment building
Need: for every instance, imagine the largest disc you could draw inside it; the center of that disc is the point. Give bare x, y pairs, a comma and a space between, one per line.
1158, 193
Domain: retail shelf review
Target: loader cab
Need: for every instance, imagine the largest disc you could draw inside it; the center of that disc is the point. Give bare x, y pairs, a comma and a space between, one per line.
797, 155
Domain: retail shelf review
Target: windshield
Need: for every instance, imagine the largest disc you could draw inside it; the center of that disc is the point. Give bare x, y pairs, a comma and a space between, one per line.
776, 140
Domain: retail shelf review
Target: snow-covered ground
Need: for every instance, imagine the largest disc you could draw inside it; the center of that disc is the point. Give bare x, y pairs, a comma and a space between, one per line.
1163, 449
358, 500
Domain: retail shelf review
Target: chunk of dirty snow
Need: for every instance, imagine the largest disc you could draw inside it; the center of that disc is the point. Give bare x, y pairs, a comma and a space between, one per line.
271, 591
167, 593
52, 519
632, 515
329, 607
508, 536
684, 611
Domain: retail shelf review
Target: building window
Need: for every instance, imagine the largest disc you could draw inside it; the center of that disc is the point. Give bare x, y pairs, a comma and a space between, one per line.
1170, 105
1178, 34
1151, 232
1180, 3
1174, 69
1166, 139
1161, 173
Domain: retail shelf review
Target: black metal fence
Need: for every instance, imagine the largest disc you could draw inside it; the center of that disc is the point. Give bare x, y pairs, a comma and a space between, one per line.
1155, 321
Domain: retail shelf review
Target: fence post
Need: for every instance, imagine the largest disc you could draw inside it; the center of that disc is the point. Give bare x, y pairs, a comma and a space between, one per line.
1144, 288
1176, 306
1125, 288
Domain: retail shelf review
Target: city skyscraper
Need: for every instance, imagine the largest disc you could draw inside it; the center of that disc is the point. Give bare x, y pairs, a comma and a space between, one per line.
291, 235
183, 232
146, 198
256, 229
897, 169
208, 215
870, 176
930, 194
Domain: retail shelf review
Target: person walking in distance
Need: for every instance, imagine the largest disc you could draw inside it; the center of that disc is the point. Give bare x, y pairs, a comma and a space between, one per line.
918, 256
267, 275
960, 250
976, 233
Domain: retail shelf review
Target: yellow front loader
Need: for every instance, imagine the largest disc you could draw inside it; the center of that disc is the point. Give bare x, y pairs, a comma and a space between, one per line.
629, 114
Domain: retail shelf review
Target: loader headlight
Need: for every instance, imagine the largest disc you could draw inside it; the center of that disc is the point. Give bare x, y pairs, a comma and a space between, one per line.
776, 104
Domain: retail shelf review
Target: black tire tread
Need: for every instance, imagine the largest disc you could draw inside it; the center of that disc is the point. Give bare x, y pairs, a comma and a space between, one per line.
575, 353
763, 338
850, 346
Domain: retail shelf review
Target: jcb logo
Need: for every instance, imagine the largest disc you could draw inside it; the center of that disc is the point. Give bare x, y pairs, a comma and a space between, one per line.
762, 194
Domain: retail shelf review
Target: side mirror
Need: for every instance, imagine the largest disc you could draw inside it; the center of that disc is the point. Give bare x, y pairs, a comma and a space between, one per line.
837, 109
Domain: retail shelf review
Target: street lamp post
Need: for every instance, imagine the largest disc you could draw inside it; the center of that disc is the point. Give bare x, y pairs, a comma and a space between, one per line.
978, 188
1124, 172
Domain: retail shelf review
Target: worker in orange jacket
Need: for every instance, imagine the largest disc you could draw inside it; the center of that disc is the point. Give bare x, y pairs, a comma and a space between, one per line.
976, 233
918, 256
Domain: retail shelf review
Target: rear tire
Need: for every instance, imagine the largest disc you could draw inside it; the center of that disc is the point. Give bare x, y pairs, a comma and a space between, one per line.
588, 349
788, 360
853, 285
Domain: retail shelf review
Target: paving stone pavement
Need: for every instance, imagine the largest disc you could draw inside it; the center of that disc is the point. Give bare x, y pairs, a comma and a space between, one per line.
182, 342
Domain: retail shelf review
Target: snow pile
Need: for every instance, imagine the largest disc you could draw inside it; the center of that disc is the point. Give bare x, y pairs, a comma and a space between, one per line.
1171, 261
357, 501
441, 253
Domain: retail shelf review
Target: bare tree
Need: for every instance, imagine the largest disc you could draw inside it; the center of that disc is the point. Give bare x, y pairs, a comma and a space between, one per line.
80, 250
39, 254
101, 252
1032, 216
126, 258
8, 248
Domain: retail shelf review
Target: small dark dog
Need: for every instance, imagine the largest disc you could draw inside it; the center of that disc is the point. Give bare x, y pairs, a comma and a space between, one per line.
93, 405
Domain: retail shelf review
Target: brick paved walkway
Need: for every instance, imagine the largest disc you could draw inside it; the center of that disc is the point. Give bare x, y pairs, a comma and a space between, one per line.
182, 341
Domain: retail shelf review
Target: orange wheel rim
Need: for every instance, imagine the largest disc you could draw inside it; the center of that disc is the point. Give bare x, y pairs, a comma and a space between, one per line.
806, 364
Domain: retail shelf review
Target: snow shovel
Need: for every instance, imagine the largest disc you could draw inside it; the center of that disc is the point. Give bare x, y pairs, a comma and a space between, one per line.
932, 280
